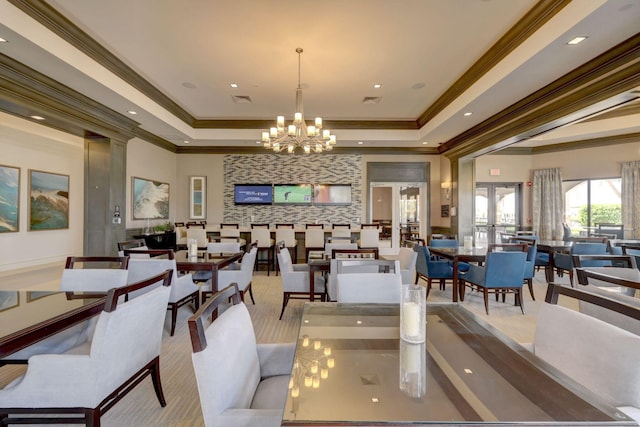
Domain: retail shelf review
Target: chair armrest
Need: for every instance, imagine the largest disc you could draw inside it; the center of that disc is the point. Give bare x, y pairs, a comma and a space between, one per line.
563, 261
300, 267
252, 417
275, 359
474, 275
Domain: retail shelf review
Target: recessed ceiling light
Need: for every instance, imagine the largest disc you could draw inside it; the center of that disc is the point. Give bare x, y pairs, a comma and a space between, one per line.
132, 112
2, 40
258, 142
424, 142
186, 142
234, 85
577, 40
468, 113
360, 142
377, 86
37, 117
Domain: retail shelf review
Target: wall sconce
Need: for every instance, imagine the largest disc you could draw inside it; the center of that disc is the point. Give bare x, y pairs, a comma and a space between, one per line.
446, 188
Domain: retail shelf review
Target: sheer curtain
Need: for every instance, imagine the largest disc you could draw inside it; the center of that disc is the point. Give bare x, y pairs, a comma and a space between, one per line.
631, 199
548, 205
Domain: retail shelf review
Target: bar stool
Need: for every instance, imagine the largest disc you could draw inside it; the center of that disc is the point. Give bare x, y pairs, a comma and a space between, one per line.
313, 239
261, 234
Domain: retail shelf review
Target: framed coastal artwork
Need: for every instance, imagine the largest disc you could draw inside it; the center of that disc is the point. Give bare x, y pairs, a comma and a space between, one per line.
150, 199
9, 199
9, 299
48, 201
198, 197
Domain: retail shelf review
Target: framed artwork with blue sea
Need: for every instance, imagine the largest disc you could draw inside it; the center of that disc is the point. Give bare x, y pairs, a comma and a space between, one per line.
48, 201
150, 199
9, 199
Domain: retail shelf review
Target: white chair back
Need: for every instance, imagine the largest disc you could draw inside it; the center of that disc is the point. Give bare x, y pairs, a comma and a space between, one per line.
140, 269
341, 232
223, 247
134, 329
229, 232
369, 238
200, 234
262, 236
367, 288
314, 238
181, 235
288, 235
408, 258
92, 279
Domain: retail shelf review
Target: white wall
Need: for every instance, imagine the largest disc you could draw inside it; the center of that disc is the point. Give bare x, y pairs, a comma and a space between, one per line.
27, 145
145, 160
512, 169
211, 166
599, 162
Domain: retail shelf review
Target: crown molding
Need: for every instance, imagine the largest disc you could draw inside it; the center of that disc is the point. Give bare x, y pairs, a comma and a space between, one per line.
605, 82
258, 149
27, 92
46, 15
531, 22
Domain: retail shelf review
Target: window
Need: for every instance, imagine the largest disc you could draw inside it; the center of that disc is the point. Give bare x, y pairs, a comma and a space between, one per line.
590, 202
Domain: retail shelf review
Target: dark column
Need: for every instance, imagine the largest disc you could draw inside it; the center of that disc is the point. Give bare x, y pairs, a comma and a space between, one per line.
105, 193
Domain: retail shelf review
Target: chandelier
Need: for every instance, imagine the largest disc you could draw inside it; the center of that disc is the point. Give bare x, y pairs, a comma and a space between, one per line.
298, 133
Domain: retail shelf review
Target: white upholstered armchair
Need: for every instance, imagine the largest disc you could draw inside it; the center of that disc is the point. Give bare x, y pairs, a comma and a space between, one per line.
295, 279
88, 380
183, 289
242, 277
240, 382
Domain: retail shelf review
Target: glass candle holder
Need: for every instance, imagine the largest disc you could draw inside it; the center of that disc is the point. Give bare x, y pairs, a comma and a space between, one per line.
192, 247
413, 314
413, 369
468, 243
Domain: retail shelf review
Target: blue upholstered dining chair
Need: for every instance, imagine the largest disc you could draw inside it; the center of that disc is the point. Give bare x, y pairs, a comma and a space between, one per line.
503, 272
430, 269
564, 262
449, 243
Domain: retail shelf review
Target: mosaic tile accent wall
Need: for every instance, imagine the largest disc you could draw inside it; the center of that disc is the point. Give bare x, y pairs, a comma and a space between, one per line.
292, 169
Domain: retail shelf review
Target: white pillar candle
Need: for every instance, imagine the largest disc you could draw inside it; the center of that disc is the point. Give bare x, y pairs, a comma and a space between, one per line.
411, 358
193, 250
411, 319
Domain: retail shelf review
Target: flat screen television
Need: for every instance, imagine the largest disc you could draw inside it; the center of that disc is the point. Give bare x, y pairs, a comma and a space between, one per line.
253, 194
332, 194
292, 194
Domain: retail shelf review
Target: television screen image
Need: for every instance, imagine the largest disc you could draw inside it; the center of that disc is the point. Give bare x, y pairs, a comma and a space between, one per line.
292, 194
253, 194
332, 194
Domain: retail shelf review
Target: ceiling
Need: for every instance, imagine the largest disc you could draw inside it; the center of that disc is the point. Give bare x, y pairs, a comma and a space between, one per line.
434, 59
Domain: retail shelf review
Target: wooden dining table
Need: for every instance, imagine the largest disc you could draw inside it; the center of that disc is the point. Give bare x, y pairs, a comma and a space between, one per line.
206, 262
457, 255
351, 368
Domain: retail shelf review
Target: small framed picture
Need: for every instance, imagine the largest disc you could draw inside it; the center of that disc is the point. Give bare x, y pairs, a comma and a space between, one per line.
198, 197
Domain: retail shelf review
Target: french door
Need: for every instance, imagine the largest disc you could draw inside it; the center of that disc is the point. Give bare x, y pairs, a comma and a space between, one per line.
498, 209
401, 209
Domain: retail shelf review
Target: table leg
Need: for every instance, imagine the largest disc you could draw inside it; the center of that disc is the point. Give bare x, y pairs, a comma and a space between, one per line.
548, 270
455, 279
312, 279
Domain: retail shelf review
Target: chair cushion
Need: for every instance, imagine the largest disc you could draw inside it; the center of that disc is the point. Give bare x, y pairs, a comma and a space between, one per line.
271, 393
